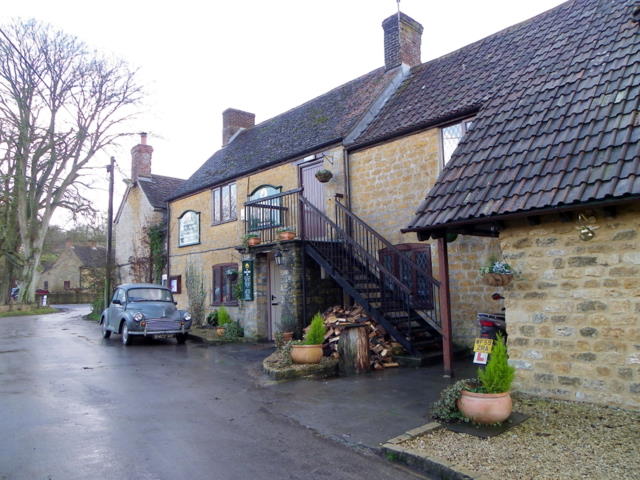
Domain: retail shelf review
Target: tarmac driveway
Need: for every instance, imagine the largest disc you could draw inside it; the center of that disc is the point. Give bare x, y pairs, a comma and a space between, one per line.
75, 406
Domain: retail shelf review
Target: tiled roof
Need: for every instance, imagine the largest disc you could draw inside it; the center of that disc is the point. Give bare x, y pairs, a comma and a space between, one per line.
318, 123
159, 188
558, 117
91, 256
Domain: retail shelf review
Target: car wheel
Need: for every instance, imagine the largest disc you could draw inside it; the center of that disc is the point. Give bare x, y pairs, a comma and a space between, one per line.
126, 338
106, 333
181, 338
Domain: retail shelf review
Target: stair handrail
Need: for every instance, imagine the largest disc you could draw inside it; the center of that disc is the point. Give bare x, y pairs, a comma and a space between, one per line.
386, 243
389, 276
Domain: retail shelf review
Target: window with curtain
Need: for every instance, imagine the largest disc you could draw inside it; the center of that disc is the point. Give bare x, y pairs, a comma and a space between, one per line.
224, 206
224, 278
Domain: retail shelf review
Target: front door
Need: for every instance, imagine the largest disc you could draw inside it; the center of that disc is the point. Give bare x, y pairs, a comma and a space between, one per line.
275, 297
314, 193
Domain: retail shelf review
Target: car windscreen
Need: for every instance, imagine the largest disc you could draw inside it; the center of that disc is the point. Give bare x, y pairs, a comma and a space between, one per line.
149, 295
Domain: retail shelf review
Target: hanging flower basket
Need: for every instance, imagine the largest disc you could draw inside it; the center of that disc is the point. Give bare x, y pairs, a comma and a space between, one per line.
324, 175
497, 279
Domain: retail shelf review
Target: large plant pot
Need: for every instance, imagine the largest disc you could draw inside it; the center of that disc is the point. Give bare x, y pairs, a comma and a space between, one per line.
306, 353
485, 408
497, 279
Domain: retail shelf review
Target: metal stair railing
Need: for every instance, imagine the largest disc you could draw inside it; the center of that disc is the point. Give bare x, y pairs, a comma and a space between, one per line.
424, 289
342, 255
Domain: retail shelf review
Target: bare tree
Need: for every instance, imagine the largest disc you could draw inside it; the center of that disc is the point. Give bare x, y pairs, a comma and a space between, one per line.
60, 104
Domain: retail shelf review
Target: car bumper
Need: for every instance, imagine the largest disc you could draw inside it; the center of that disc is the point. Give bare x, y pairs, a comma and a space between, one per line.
159, 327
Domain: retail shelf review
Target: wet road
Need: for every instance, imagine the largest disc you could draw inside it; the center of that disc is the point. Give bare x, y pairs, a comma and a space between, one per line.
75, 406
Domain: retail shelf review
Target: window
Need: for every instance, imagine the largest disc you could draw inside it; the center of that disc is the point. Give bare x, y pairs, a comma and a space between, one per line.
175, 283
224, 279
268, 213
224, 203
451, 136
420, 285
46, 285
188, 228
67, 285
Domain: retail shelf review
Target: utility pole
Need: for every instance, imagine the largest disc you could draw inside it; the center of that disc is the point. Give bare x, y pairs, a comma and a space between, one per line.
107, 285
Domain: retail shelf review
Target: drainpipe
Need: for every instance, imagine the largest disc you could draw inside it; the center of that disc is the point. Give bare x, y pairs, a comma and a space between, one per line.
445, 306
347, 177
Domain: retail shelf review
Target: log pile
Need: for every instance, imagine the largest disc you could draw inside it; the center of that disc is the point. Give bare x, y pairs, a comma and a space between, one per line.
381, 348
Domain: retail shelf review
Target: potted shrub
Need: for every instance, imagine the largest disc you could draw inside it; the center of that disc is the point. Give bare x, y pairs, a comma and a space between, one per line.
497, 273
288, 326
310, 350
323, 175
223, 319
212, 318
488, 400
251, 240
286, 233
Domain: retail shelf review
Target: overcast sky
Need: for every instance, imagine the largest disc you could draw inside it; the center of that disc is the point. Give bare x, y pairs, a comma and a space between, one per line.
197, 58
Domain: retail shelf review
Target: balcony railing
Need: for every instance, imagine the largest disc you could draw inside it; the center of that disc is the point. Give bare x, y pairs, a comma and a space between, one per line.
267, 216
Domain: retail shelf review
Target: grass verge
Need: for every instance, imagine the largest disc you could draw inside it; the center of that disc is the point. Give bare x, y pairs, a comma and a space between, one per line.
24, 313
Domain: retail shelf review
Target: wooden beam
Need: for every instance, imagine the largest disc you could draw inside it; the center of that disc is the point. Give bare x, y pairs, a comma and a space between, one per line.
445, 307
533, 220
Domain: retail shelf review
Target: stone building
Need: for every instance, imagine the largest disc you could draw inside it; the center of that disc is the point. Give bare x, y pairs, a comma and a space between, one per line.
143, 206
522, 140
79, 268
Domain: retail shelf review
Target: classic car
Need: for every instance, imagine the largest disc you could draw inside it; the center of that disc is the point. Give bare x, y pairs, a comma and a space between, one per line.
144, 309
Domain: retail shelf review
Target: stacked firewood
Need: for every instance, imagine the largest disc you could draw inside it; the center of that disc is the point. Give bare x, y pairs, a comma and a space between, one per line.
381, 348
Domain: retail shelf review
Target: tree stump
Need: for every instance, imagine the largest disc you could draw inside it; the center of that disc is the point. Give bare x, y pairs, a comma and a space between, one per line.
353, 348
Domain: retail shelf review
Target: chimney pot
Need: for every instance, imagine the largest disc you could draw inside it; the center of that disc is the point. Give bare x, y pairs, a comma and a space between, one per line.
402, 41
233, 121
143, 138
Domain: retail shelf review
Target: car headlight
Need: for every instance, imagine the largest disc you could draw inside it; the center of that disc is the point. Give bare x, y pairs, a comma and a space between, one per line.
187, 316
138, 316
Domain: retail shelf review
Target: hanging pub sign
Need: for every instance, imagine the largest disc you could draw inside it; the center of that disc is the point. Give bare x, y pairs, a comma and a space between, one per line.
247, 280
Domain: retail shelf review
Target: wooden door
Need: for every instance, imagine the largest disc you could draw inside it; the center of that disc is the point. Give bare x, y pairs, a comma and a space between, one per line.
314, 193
275, 297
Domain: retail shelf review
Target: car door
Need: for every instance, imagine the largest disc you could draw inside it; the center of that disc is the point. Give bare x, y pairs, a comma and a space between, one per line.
115, 310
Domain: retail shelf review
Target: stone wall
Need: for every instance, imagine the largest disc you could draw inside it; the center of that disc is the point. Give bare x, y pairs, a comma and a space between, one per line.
388, 182
573, 313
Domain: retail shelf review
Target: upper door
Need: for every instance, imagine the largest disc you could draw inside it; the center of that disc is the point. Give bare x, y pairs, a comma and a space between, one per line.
313, 191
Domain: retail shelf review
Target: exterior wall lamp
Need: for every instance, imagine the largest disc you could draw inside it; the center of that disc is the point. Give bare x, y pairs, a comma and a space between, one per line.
278, 257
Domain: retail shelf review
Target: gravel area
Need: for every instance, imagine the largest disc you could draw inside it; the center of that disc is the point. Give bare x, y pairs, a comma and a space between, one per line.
561, 440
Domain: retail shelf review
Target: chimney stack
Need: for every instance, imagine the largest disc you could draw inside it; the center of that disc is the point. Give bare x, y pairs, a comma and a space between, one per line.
141, 159
402, 39
233, 121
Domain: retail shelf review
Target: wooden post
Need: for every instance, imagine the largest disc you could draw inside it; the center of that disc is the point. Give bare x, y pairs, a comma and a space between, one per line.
353, 348
445, 306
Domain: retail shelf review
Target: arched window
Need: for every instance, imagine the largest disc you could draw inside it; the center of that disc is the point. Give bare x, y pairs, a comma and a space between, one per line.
266, 214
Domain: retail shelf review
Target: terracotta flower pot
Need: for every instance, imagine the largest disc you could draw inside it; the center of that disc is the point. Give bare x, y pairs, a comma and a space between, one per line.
286, 235
497, 279
306, 353
253, 241
287, 336
485, 408
220, 331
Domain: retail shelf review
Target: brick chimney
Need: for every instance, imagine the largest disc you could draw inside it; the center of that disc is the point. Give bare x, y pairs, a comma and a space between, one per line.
402, 39
233, 121
141, 159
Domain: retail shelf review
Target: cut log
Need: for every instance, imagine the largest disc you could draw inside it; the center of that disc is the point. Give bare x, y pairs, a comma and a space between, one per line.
353, 349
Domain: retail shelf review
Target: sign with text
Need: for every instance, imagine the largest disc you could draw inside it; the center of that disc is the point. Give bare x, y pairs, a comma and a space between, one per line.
247, 280
483, 345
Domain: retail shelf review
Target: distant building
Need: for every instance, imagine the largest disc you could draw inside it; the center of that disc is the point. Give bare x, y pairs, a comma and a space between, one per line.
79, 268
